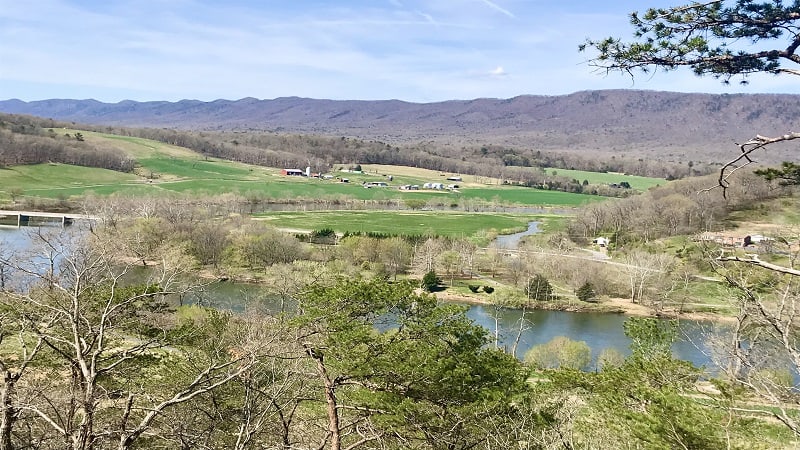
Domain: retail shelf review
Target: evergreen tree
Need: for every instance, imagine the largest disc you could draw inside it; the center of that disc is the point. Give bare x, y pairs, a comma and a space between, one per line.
539, 288
585, 292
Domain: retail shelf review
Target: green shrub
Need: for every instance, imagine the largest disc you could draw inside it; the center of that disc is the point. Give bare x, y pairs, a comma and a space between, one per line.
488, 289
474, 288
560, 352
323, 236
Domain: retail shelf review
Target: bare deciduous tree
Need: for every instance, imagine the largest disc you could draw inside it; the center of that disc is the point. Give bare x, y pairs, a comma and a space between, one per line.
95, 326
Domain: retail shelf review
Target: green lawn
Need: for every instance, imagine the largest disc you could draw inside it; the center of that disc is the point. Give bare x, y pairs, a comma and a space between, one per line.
440, 223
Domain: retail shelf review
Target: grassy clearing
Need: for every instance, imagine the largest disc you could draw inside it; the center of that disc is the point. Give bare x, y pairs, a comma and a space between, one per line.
188, 168
440, 223
638, 183
424, 175
416, 175
134, 146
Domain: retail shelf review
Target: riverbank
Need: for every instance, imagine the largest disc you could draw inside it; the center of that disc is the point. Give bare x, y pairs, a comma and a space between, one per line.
606, 305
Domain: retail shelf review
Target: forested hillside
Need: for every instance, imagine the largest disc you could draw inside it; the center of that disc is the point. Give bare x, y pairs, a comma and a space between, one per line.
666, 126
29, 140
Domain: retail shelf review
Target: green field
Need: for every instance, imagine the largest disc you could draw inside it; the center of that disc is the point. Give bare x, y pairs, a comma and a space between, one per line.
638, 183
528, 196
441, 223
59, 176
163, 168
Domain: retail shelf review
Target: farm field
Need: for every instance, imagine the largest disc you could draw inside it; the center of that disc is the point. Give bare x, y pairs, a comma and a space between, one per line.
59, 176
218, 177
638, 183
163, 168
442, 223
418, 175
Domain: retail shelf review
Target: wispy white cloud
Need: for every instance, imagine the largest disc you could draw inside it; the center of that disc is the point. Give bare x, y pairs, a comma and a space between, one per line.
498, 8
408, 49
427, 17
498, 72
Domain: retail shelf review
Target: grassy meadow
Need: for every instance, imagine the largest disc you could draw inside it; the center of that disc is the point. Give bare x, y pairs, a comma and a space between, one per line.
637, 183
440, 223
163, 168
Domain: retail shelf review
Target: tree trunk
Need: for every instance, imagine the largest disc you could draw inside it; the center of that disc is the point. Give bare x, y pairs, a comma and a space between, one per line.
330, 399
6, 411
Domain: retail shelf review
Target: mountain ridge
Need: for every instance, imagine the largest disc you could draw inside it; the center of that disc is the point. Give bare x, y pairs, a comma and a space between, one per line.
667, 125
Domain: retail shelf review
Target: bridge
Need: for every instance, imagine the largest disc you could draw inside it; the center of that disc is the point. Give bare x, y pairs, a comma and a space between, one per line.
32, 218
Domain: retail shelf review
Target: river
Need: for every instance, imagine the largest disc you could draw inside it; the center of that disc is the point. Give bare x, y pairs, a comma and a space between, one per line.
599, 330
511, 241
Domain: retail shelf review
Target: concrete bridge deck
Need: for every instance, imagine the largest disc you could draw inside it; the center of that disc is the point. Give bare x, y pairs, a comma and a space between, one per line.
23, 217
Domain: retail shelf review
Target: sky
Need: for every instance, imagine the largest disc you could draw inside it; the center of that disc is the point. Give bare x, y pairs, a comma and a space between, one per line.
412, 50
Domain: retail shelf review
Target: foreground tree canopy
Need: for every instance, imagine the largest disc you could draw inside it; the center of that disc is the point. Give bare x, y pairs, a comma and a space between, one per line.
724, 39
718, 38
728, 40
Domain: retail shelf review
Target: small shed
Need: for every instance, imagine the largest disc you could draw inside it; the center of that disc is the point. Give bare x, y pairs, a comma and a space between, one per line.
600, 241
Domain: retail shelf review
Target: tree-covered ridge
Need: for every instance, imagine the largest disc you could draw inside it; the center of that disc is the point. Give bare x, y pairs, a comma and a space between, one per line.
646, 125
517, 164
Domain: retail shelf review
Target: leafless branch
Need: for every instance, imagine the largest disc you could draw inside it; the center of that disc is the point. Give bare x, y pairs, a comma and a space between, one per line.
744, 158
757, 262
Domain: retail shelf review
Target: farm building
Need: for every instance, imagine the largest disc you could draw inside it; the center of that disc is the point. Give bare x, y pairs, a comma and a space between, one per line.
369, 184
601, 241
454, 178
722, 239
292, 172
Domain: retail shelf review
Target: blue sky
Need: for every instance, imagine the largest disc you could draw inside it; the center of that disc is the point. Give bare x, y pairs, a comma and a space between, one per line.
413, 50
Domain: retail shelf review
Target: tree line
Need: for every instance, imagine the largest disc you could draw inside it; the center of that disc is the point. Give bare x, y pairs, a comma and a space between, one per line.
26, 140
681, 207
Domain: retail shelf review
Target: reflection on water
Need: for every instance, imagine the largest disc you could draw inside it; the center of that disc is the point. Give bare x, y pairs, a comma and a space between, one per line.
238, 297
598, 330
